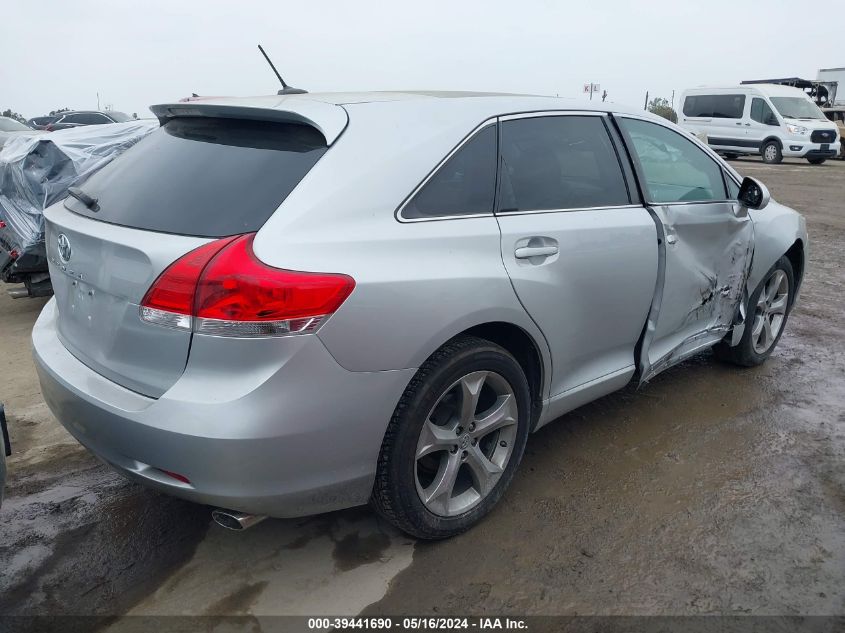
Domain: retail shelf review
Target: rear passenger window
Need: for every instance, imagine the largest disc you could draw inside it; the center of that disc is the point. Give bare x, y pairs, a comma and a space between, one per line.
559, 162
464, 185
674, 168
715, 106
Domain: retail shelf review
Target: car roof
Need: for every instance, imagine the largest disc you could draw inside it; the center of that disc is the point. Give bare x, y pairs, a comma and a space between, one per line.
105, 112
493, 101
330, 111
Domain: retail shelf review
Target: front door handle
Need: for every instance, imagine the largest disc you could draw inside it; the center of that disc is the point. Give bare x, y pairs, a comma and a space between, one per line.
525, 252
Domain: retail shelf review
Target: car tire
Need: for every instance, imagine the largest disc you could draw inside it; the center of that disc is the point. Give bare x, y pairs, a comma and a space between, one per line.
816, 161
415, 463
771, 153
749, 352
731, 156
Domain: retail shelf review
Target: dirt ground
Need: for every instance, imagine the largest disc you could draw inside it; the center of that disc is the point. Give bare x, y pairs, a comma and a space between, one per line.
713, 490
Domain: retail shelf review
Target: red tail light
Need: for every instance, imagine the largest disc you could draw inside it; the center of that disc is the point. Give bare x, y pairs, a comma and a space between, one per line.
221, 288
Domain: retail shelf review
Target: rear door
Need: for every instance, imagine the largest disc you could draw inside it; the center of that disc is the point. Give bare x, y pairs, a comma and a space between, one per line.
580, 249
191, 181
706, 243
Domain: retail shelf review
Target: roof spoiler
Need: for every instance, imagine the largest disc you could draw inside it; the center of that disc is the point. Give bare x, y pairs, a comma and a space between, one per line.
328, 118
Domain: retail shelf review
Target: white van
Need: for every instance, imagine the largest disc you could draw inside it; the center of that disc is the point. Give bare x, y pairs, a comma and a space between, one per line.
767, 119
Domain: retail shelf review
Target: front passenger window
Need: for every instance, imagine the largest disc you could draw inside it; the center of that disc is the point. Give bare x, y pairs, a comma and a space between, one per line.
674, 168
762, 113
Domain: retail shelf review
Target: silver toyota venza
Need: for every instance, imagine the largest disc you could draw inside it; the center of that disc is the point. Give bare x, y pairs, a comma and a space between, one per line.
292, 304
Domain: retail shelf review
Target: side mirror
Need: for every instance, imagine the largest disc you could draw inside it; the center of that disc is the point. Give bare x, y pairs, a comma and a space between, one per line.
753, 194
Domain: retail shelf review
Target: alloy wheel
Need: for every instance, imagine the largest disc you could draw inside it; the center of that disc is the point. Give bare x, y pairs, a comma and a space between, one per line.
465, 443
770, 312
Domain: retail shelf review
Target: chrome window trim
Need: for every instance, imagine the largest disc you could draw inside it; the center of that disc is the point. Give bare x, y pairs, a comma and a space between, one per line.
549, 113
568, 210
398, 213
680, 203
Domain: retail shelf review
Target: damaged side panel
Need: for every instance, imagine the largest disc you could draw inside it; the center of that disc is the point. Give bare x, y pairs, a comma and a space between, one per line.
705, 255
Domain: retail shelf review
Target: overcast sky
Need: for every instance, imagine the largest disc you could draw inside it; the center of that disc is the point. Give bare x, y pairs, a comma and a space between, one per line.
60, 54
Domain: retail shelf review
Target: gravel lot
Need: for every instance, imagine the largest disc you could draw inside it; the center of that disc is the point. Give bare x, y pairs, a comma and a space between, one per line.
711, 490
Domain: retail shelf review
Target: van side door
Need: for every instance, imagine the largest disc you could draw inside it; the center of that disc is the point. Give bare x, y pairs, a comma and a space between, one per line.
706, 243
579, 247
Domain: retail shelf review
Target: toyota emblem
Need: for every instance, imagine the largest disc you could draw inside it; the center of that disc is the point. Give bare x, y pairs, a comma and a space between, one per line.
63, 244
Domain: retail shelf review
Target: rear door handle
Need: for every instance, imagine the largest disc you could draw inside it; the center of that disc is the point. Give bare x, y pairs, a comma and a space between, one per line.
525, 252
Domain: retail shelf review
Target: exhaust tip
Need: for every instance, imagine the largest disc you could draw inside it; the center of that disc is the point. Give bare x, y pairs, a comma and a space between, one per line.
234, 520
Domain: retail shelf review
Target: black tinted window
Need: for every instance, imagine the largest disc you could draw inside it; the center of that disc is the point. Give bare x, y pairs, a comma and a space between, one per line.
464, 185
718, 106
762, 113
675, 169
86, 118
559, 162
204, 177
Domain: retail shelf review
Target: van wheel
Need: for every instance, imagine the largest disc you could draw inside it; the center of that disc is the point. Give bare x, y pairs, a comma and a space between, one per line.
771, 153
816, 161
455, 440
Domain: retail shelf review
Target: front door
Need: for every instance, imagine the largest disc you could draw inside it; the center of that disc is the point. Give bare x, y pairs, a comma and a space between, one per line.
706, 244
762, 123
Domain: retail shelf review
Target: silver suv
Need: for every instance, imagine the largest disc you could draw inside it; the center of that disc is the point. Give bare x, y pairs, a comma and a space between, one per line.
288, 305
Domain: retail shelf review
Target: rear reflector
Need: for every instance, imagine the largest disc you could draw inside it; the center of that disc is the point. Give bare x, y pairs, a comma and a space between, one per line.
175, 476
222, 289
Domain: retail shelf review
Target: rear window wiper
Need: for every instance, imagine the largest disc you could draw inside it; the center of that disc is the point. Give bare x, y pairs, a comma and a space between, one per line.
84, 198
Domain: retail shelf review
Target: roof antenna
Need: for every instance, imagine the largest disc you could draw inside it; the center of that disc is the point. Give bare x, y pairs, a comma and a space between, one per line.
286, 89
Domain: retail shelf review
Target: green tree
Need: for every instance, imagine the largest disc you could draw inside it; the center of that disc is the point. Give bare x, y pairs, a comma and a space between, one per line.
661, 107
59, 111
13, 115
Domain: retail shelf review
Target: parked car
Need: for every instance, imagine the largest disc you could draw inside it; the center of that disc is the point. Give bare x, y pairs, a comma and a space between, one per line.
766, 119
289, 306
10, 128
91, 117
35, 172
41, 122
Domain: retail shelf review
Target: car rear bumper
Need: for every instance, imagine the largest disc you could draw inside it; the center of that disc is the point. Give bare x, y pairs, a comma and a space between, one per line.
284, 431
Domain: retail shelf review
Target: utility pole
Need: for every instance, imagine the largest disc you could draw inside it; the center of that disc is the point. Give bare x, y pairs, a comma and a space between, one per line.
645, 107
98, 100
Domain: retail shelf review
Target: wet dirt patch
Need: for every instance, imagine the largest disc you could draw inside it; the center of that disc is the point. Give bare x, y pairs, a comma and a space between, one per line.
353, 550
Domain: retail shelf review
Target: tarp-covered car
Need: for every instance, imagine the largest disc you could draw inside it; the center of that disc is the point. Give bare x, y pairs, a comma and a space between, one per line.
35, 172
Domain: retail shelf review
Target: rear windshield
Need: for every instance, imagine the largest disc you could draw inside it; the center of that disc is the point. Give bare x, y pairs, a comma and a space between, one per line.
204, 177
